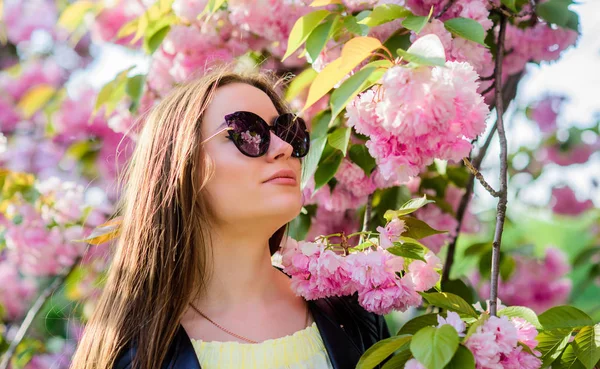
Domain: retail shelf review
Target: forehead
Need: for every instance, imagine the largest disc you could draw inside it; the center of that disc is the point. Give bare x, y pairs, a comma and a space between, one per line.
237, 97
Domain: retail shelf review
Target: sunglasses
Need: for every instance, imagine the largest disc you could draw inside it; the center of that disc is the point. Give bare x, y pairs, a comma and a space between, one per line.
252, 135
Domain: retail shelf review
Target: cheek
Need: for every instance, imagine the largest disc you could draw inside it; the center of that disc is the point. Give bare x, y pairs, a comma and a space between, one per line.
233, 183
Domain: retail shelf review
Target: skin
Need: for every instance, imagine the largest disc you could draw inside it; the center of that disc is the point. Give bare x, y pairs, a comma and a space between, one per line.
245, 294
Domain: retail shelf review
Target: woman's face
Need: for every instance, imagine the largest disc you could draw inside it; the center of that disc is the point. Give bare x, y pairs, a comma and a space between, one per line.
238, 191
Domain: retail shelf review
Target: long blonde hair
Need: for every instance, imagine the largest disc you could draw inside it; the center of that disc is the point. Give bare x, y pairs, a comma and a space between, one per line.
161, 261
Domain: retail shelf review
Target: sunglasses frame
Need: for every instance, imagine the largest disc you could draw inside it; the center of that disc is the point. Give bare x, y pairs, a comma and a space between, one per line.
270, 128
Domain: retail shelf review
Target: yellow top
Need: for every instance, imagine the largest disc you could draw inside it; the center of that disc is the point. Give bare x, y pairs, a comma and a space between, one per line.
303, 349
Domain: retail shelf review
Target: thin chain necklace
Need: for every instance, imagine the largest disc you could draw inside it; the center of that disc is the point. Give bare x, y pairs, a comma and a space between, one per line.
237, 335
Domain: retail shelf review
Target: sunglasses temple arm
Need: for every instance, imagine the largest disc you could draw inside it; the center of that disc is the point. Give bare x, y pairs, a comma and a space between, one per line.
214, 134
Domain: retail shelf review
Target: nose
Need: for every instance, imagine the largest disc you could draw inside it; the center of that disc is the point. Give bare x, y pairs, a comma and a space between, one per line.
278, 148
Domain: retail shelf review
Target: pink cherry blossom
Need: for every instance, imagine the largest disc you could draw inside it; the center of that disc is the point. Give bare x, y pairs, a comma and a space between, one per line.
421, 114
9, 115
545, 111
22, 18
109, 22
454, 320
189, 9
390, 233
16, 292
413, 364
564, 156
564, 202
424, 274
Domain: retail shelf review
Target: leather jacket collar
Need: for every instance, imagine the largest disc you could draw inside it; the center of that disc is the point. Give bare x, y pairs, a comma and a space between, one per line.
346, 328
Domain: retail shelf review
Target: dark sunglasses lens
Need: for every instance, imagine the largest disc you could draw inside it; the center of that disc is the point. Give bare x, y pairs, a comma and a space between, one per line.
292, 130
249, 134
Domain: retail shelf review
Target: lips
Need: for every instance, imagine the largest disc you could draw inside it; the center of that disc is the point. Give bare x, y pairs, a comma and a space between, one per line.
284, 173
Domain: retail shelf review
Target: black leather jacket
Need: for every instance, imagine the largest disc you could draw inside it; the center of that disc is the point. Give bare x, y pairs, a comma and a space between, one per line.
346, 328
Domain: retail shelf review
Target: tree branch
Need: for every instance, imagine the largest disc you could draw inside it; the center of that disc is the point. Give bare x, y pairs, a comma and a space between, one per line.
502, 201
34, 310
480, 178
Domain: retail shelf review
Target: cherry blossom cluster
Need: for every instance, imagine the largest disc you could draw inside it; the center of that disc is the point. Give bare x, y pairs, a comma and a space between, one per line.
496, 343
419, 114
382, 280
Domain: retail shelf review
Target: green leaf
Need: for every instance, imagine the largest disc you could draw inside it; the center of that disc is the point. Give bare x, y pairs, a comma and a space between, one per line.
462, 359
551, 344
408, 250
568, 360
434, 347
415, 324
351, 87
507, 267
466, 28
417, 228
510, 4
359, 154
385, 13
459, 288
564, 317
426, 51
586, 255
410, 206
587, 345
35, 98
353, 26
573, 22
309, 165
135, 88
318, 38
340, 139
320, 124
356, 84
381, 350
302, 29
450, 301
478, 248
398, 360
458, 175
155, 39
415, 23
328, 166
555, 11
521, 312
299, 227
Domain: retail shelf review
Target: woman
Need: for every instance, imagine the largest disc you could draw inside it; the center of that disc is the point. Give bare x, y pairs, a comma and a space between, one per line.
210, 190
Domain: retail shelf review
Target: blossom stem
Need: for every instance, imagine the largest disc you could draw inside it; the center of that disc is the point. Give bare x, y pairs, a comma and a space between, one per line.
34, 310
502, 201
366, 218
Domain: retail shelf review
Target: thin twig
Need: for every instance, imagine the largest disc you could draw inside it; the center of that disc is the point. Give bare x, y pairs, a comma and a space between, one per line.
445, 8
502, 201
367, 217
490, 77
462, 207
480, 178
34, 310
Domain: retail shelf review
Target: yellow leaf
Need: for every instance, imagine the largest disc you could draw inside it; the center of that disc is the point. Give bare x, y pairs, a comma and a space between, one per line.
35, 99
165, 6
104, 232
73, 15
325, 2
128, 28
299, 83
354, 52
141, 29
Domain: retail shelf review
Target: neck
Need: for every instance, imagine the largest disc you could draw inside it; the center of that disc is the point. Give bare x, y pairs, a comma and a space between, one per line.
242, 274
